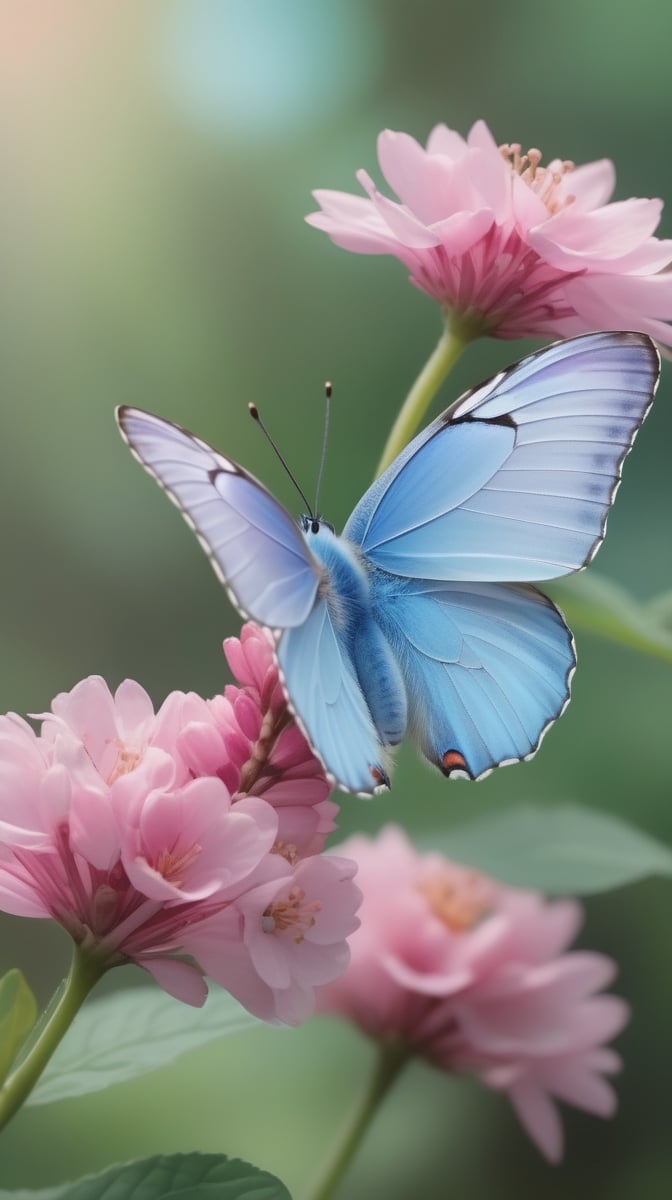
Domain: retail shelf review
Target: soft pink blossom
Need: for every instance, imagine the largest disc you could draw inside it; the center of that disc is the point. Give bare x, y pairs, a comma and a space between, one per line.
278, 941
191, 843
513, 248
475, 976
127, 869
245, 736
118, 823
114, 731
248, 738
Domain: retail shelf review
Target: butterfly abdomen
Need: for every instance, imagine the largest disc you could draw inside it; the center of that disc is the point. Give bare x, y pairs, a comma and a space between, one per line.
347, 591
381, 681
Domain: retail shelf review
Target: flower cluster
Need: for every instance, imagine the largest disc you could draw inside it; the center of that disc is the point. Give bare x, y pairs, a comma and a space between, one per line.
187, 840
513, 248
475, 977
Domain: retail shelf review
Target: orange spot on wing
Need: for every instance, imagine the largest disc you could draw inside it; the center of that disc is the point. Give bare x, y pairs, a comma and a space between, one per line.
452, 760
379, 776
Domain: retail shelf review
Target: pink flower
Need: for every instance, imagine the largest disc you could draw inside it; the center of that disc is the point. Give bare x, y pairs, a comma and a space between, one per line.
475, 977
279, 941
116, 822
127, 868
512, 248
114, 731
248, 738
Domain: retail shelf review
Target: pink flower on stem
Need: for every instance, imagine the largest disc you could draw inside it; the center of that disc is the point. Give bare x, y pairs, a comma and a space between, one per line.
475, 976
278, 941
153, 837
127, 870
508, 246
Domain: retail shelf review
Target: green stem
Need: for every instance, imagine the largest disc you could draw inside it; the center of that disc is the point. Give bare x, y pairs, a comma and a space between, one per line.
456, 334
85, 971
392, 1057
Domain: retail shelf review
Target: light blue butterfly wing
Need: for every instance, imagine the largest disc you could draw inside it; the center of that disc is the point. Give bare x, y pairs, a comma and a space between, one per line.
327, 699
515, 480
487, 667
254, 545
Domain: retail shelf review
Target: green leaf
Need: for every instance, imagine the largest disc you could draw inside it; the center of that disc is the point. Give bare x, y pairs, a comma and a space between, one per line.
168, 1177
566, 849
598, 605
18, 1013
129, 1033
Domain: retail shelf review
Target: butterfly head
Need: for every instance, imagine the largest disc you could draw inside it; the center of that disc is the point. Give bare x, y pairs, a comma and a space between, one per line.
310, 524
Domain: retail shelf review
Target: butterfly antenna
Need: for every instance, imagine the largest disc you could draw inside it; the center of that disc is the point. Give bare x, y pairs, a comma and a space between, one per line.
325, 436
254, 413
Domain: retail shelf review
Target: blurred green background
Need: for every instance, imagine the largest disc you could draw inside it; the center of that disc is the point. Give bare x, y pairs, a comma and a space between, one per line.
157, 162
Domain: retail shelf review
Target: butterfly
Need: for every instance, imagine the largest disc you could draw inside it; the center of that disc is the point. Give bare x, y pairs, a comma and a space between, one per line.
420, 619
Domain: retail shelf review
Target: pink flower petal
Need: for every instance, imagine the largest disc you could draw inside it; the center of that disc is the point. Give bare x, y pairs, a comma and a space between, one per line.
592, 184
428, 983
133, 707
480, 137
429, 185
402, 224
19, 896
89, 701
179, 979
459, 232
572, 1082
570, 239
443, 140
539, 1117
353, 223
94, 831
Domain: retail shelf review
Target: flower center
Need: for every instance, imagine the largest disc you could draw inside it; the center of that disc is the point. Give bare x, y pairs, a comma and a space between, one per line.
292, 913
542, 180
174, 865
459, 904
286, 850
127, 761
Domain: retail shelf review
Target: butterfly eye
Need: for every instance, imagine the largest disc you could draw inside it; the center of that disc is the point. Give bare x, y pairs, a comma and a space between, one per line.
314, 525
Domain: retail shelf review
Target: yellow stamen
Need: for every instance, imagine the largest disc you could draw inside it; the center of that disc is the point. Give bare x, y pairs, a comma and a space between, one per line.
127, 761
292, 913
460, 905
287, 850
174, 866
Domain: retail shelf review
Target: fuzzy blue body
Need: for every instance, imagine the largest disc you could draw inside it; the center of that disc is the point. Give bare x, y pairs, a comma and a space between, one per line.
349, 591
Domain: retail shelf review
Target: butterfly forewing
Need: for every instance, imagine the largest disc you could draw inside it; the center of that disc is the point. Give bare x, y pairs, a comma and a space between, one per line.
515, 480
254, 545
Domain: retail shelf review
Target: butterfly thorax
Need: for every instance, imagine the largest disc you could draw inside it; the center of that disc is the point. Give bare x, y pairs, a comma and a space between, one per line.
345, 580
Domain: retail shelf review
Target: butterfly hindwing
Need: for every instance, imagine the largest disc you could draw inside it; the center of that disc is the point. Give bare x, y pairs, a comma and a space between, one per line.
322, 683
255, 546
487, 667
514, 481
